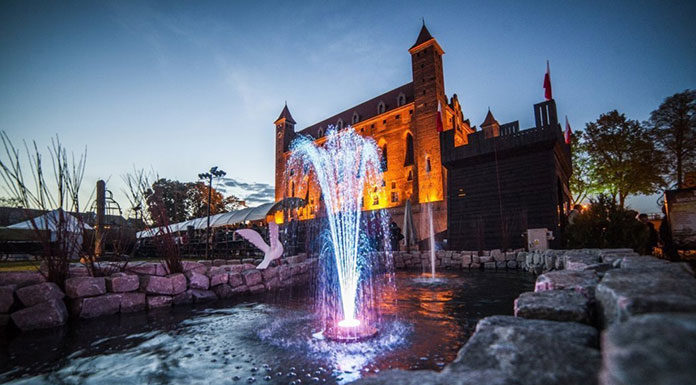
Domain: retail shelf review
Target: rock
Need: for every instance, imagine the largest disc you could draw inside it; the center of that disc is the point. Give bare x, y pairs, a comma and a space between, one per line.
521, 257
91, 307
249, 261
219, 262
21, 278
203, 295
44, 315
252, 277
429, 377
272, 272
650, 349
497, 255
122, 283
184, 298
179, 283
206, 263
158, 301
36, 294
489, 265
583, 282
6, 298
241, 289
238, 268
189, 266
272, 283
147, 268
235, 279
169, 285
284, 273
554, 305
530, 352
217, 275
501, 265
579, 260
623, 293
512, 264
223, 291
257, 289
132, 302
198, 280
78, 287
296, 259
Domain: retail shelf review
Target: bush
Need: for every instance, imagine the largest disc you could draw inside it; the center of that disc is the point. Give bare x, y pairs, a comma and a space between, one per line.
605, 224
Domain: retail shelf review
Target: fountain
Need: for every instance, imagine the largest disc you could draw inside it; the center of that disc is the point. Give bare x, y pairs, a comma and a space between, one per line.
344, 166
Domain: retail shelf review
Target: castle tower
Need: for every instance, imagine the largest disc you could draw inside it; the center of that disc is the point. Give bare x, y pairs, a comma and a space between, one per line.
429, 88
285, 132
490, 126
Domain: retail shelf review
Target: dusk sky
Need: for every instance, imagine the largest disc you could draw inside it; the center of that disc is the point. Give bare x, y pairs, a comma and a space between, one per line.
181, 86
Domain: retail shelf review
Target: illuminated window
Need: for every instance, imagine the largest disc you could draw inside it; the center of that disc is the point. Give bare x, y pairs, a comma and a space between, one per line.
401, 100
397, 117
375, 200
409, 150
394, 197
356, 117
384, 157
427, 164
381, 107
320, 133
384, 183
339, 124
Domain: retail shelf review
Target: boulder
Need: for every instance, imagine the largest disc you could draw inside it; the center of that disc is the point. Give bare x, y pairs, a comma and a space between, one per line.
252, 277
272, 284
198, 280
579, 260
219, 262
270, 273
203, 295
489, 265
241, 289
122, 283
6, 298
554, 305
21, 278
169, 285
41, 292
159, 301
132, 302
650, 349
44, 315
429, 377
235, 279
78, 287
512, 264
190, 266
296, 259
623, 293
239, 267
217, 275
206, 263
147, 268
284, 273
530, 352
184, 298
257, 289
179, 283
224, 291
91, 307
583, 282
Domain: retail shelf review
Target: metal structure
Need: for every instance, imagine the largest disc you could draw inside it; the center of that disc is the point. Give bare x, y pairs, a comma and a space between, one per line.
213, 173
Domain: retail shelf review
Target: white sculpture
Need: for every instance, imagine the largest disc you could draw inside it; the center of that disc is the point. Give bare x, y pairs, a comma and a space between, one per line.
272, 252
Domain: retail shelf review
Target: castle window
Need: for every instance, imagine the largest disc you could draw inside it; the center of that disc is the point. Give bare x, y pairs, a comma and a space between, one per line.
410, 176
384, 121
292, 189
339, 124
409, 150
427, 164
397, 117
410, 112
320, 133
372, 126
375, 200
423, 92
384, 157
395, 197
356, 117
381, 107
393, 185
384, 183
401, 100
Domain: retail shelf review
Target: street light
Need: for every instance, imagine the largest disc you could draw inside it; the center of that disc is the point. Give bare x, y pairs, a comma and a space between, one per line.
213, 173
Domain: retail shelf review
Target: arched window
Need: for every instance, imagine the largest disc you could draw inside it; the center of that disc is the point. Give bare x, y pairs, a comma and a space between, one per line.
320, 133
381, 107
409, 150
384, 157
292, 189
427, 164
356, 118
339, 124
401, 99
410, 176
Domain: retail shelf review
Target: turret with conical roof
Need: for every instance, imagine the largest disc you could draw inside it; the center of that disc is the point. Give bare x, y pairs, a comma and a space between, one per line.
285, 114
285, 133
490, 126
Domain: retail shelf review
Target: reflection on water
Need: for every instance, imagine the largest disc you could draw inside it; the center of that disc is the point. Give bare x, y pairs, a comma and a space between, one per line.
275, 340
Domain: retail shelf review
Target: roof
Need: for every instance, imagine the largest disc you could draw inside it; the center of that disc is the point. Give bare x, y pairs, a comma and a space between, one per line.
51, 221
490, 120
423, 36
286, 114
365, 110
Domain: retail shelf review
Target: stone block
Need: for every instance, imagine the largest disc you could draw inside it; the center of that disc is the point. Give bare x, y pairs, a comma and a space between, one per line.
184, 298
238, 268
272, 284
475, 265
219, 262
486, 259
624, 293
132, 302
252, 277
235, 279
489, 265
272, 272
21, 278
122, 283
158, 301
521, 257
249, 261
41, 292
241, 289
179, 283
190, 266
203, 295
154, 284
78, 287
554, 305
650, 349
147, 268
6, 298
257, 289
217, 275
530, 352
206, 263
512, 264
91, 307
197, 280
41, 316
583, 282
579, 260
284, 272
223, 291
501, 265
296, 259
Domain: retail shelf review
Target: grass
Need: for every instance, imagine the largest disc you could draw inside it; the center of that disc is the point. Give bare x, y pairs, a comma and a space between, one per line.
19, 265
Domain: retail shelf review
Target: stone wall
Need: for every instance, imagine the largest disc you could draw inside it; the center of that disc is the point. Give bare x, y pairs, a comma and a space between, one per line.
607, 317
29, 302
460, 260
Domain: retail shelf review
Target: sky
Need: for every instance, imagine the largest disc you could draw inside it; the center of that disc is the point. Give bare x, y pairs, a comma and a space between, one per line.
180, 86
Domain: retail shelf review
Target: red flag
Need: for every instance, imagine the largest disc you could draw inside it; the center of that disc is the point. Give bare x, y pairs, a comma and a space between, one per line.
547, 83
439, 117
567, 132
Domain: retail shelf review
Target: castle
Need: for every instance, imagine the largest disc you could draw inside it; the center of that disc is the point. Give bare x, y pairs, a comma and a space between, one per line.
404, 124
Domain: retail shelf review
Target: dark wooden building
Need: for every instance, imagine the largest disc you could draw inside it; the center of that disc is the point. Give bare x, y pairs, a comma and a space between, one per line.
505, 181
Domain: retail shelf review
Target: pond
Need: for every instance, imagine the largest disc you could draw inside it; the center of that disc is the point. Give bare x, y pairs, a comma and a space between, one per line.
270, 339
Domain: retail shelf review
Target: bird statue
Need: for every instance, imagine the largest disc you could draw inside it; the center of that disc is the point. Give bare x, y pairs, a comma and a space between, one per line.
272, 252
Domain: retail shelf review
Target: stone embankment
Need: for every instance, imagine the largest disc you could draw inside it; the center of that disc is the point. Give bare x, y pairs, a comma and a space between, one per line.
607, 317
29, 302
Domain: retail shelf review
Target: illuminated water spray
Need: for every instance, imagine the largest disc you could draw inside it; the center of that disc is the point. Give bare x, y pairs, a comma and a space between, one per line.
344, 166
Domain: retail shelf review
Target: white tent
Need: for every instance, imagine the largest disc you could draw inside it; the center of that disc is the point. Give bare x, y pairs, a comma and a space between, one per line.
51, 220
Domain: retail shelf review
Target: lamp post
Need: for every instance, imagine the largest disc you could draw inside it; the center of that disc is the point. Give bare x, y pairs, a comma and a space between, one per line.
213, 173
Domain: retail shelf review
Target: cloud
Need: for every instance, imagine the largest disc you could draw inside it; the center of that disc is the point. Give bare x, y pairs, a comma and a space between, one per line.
253, 193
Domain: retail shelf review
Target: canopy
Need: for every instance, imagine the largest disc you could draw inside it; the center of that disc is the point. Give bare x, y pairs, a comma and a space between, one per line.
251, 214
50, 221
